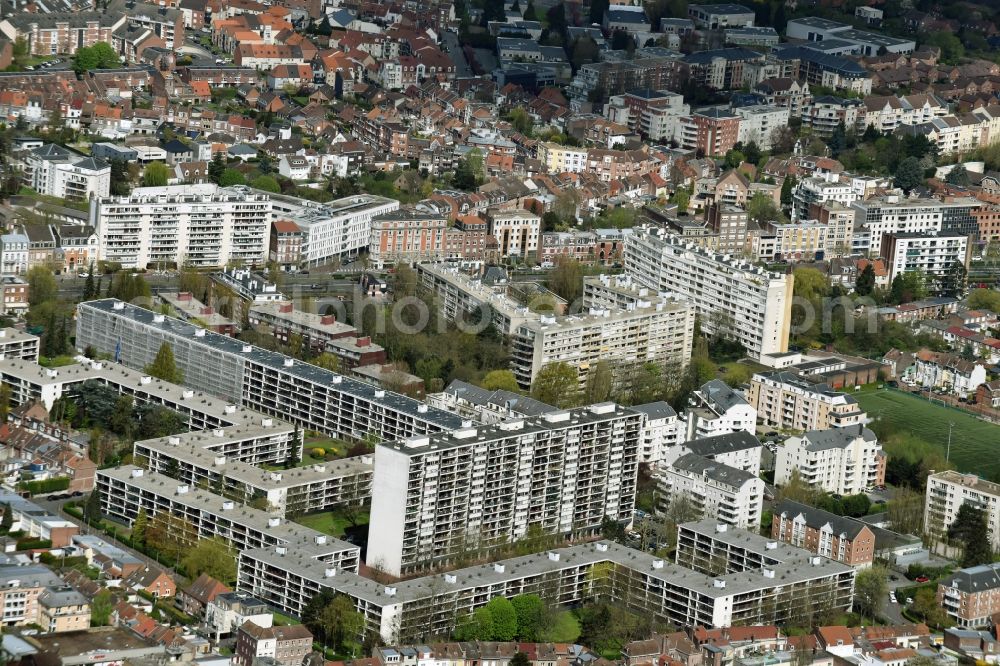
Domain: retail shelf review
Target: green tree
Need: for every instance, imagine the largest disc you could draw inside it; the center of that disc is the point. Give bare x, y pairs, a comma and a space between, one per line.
5, 393
477, 627
327, 361
100, 608
529, 12
787, 187
953, 281
971, 529
92, 507
232, 177
164, 367
925, 604
958, 176
7, 521
810, 283
500, 380
213, 557
504, 618
870, 591
520, 659
909, 174
89, 286
600, 383
521, 121
42, 287
566, 279
557, 384
988, 299
908, 287
530, 611
156, 174
340, 621
266, 183
139, 526
734, 158
682, 198
217, 167
762, 209
865, 284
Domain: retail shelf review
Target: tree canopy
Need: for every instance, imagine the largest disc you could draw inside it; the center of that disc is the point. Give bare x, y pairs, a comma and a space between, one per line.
557, 384
99, 56
213, 557
164, 367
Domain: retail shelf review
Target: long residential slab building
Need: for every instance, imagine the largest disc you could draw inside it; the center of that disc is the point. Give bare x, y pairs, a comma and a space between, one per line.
437, 497
269, 382
723, 577
733, 297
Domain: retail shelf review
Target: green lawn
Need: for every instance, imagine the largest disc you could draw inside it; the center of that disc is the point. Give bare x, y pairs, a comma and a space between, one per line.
975, 444
330, 522
55, 361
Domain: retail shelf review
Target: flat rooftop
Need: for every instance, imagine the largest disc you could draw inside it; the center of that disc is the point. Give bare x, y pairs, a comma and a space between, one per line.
521, 427
223, 344
291, 534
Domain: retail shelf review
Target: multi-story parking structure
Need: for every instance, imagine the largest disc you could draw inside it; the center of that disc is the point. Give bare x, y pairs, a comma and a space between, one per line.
199, 459
758, 581
126, 490
733, 297
436, 497
266, 381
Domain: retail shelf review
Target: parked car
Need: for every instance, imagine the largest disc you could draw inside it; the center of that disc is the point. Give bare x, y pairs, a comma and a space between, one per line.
316, 286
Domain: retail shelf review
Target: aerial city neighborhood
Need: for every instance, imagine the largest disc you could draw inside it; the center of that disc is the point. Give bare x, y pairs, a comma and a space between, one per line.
499, 332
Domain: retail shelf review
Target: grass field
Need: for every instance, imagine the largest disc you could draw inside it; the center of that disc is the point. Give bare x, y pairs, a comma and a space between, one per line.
330, 522
975, 444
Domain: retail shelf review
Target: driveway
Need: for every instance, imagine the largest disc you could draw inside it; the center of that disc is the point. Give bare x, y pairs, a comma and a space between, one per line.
454, 51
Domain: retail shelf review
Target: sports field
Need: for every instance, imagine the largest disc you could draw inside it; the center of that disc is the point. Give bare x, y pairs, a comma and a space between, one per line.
975, 444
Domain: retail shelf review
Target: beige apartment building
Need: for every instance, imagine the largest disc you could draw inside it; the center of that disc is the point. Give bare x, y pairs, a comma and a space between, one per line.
787, 401
947, 491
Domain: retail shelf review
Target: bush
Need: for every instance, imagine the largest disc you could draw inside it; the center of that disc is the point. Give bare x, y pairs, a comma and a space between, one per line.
45, 486
318, 453
32, 543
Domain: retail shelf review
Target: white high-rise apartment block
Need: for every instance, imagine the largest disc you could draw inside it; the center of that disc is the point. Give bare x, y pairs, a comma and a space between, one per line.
516, 231
741, 450
198, 225
720, 492
660, 431
66, 174
438, 498
946, 493
875, 217
843, 461
732, 296
337, 229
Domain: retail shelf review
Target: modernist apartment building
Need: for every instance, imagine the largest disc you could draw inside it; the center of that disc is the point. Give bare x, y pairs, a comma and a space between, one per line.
947, 491
128, 489
717, 409
459, 294
654, 331
198, 225
878, 216
15, 344
65, 174
842, 461
408, 236
265, 381
434, 497
971, 597
516, 232
336, 229
757, 581
840, 538
786, 400
720, 492
660, 431
933, 253
732, 297
199, 460
51, 33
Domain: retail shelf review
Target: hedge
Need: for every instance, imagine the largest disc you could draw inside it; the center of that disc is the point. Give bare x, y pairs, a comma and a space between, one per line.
45, 485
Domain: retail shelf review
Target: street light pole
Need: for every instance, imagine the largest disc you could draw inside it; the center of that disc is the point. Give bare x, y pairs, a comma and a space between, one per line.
947, 455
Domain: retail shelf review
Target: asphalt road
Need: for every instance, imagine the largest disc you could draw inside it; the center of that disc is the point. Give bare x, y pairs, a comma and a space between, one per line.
462, 69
